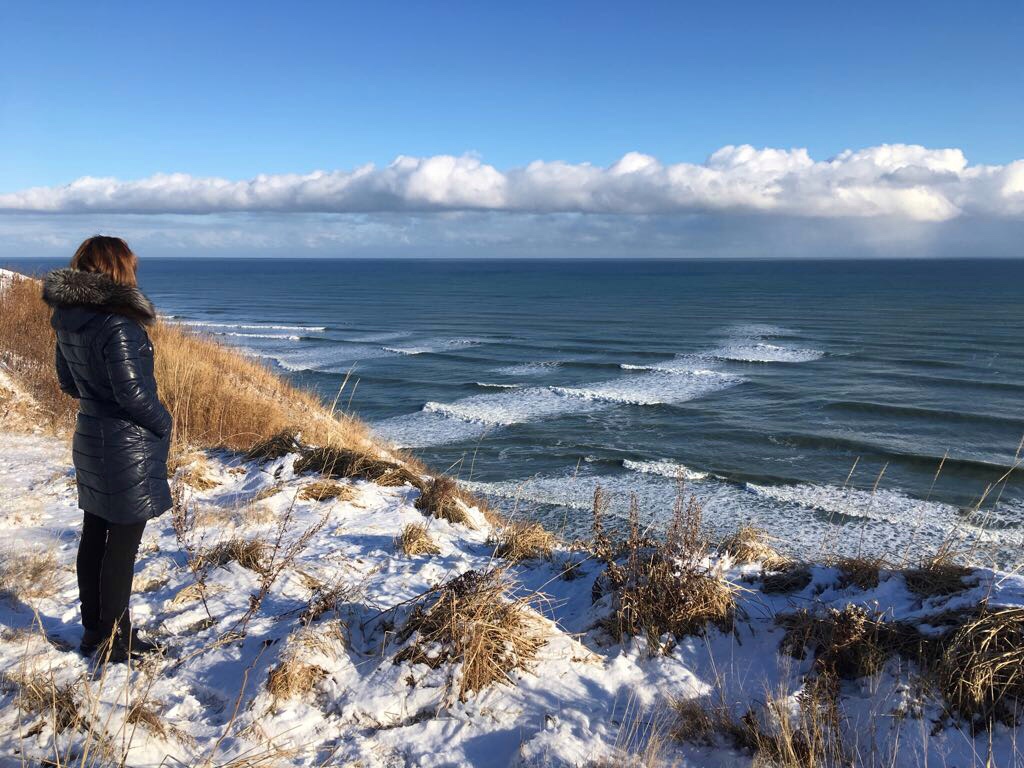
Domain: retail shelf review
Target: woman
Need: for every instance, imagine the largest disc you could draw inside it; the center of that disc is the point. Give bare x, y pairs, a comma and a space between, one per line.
105, 360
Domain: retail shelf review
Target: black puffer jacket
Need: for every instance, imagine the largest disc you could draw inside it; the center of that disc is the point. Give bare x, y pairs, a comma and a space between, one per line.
105, 359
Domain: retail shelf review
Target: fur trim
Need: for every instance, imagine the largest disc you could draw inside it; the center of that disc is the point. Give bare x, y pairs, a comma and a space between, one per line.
74, 288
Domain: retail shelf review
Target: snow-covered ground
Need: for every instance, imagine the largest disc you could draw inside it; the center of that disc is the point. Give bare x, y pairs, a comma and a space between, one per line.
585, 700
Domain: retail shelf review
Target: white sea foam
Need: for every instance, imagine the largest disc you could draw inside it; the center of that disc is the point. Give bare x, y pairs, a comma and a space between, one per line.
246, 326
665, 468
507, 408
761, 352
883, 505
281, 336
491, 385
438, 345
332, 357
527, 369
653, 388
422, 429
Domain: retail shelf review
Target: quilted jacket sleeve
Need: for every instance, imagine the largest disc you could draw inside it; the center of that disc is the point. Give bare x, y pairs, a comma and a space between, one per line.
132, 381
64, 377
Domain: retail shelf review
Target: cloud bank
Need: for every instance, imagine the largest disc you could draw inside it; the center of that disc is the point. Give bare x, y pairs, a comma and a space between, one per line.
898, 182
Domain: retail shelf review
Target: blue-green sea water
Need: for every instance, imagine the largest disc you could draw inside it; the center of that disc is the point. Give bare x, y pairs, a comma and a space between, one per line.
761, 384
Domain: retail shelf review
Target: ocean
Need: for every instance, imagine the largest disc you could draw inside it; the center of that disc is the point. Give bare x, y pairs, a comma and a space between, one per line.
844, 406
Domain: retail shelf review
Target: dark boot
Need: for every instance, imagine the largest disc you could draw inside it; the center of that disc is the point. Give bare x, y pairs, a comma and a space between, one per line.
139, 647
91, 639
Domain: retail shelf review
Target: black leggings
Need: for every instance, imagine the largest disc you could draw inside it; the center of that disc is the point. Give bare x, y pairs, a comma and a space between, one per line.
106, 563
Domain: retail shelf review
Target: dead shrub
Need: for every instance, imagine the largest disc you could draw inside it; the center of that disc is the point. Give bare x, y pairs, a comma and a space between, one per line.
415, 540
197, 477
861, 571
326, 490
343, 463
849, 643
274, 447
325, 598
293, 678
792, 578
750, 544
937, 577
266, 493
443, 499
473, 620
981, 671
248, 553
56, 704
668, 588
522, 540
810, 737
29, 575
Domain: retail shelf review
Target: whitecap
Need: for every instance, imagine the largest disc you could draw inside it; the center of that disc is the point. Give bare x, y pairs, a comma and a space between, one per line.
438, 345
762, 352
654, 388
665, 468
527, 369
246, 326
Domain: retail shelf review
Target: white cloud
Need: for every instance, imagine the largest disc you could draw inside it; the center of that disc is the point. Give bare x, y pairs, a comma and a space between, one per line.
896, 181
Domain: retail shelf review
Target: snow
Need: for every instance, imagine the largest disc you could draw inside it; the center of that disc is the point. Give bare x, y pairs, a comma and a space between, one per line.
584, 699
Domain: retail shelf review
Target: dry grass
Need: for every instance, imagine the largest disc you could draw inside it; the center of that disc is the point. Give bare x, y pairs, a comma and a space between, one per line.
198, 478
27, 343
29, 575
522, 540
331, 461
667, 589
750, 544
937, 576
792, 578
473, 620
443, 499
293, 678
327, 490
217, 396
57, 705
860, 571
248, 553
274, 447
807, 736
850, 643
981, 672
415, 540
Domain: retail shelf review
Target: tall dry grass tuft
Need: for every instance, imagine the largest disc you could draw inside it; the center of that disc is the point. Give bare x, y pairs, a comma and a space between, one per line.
981, 672
522, 540
668, 588
475, 621
443, 499
750, 544
415, 540
850, 643
27, 343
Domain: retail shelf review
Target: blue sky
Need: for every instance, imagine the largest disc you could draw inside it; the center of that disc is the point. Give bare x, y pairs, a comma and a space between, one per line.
235, 90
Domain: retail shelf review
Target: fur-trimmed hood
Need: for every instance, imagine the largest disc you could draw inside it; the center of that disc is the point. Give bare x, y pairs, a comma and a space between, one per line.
68, 288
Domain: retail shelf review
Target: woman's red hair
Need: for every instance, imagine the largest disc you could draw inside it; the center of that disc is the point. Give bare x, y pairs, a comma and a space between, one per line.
109, 255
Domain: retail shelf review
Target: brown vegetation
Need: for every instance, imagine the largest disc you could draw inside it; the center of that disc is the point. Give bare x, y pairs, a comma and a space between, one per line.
522, 540
981, 672
217, 396
667, 588
415, 540
750, 544
29, 575
248, 553
326, 490
443, 499
473, 620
